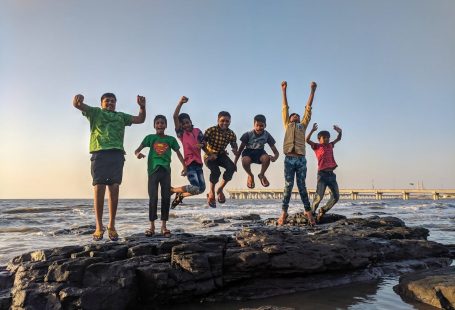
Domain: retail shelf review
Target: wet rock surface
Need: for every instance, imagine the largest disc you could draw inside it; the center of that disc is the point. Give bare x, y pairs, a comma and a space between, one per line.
261, 260
433, 287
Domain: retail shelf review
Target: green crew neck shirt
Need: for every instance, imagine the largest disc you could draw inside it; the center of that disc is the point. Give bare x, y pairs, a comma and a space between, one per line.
107, 128
160, 151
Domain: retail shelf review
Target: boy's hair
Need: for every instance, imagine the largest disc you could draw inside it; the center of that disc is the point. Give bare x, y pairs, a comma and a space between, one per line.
108, 95
323, 133
183, 116
159, 116
224, 114
260, 118
292, 114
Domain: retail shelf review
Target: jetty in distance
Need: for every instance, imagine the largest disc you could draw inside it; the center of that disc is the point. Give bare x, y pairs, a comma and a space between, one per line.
354, 194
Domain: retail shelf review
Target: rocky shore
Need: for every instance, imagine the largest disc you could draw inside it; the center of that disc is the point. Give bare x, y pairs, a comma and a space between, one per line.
260, 260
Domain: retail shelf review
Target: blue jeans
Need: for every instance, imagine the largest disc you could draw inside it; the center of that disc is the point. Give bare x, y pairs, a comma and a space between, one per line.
295, 166
326, 179
195, 176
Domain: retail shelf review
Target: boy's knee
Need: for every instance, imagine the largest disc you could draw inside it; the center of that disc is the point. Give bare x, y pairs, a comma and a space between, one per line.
265, 159
246, 160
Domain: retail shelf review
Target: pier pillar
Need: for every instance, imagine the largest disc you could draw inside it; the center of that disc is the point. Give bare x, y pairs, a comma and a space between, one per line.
435, 196
354, 195
378, 196
405, 196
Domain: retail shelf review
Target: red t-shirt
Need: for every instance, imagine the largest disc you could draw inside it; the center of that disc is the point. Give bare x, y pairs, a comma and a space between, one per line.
324, 154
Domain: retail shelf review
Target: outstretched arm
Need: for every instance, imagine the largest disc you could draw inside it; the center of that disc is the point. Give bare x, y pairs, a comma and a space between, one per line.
182, 100
78, 103
338, 138
241, 148
138, 153
308, 137
275, 153
307, 113
140, 118
285, 106
179, 155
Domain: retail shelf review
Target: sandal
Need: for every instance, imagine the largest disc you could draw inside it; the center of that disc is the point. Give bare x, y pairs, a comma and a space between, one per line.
98, 235
177, 200
263, 180
112, 233
149, 232
250, 182
221, 197
166, 233
282, 220
211, 202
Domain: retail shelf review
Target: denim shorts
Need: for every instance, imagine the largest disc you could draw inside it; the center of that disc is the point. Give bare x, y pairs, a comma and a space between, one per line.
195, 176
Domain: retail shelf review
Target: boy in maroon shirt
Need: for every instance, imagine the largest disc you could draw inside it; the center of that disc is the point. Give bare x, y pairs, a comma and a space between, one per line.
326, 165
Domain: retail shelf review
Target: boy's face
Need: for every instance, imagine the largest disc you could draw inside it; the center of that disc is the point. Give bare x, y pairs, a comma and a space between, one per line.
186, 124
160, 126
324, 140
108, 103
259, 127
295, 118
224, 122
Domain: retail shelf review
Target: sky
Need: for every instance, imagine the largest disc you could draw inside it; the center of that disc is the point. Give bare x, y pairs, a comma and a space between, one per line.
385, 72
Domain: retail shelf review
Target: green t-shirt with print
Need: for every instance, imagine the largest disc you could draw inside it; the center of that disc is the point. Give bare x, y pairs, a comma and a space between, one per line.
107, 128
160, 151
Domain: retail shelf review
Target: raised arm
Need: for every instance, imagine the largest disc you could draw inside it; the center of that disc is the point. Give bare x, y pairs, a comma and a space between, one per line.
308, 137
138, 153
338, 138
307, 113
140, 118
182, 100
78, 103
285, 106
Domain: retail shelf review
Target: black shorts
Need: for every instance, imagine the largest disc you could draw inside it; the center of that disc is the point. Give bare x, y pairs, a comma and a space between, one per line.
107, 167
255, 155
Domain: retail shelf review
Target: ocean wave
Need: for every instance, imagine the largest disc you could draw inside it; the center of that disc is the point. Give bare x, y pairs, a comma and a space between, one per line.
23, 229
35, 210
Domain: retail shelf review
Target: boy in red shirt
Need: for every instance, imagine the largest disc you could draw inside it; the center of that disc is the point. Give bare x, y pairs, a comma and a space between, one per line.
326, 165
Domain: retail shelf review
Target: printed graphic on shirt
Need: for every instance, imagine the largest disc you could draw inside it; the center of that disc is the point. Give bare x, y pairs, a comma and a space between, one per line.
160, 147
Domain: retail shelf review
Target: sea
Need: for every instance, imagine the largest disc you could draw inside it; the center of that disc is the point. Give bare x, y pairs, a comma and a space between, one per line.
27, 225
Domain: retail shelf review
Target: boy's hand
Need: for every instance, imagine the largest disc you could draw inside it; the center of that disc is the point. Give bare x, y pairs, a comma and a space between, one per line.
141, 101
337, 129
78, 99
284, 85
315, 127
235, 152
273, 158
140, 155
184, 171
313, 86
183, 100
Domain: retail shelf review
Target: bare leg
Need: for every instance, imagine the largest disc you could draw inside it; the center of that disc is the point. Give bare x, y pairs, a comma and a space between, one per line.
222, 185
265, 161
98, 204
113, 203
212, 190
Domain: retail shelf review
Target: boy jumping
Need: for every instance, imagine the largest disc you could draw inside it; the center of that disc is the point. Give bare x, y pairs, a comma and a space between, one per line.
326, 165
294, 149
252, 150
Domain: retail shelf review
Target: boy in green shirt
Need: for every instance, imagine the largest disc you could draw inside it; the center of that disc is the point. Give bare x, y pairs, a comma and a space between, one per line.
159, 172
107, 129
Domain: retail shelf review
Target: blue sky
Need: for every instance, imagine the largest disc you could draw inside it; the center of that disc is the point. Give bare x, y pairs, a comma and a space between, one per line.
385, 70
